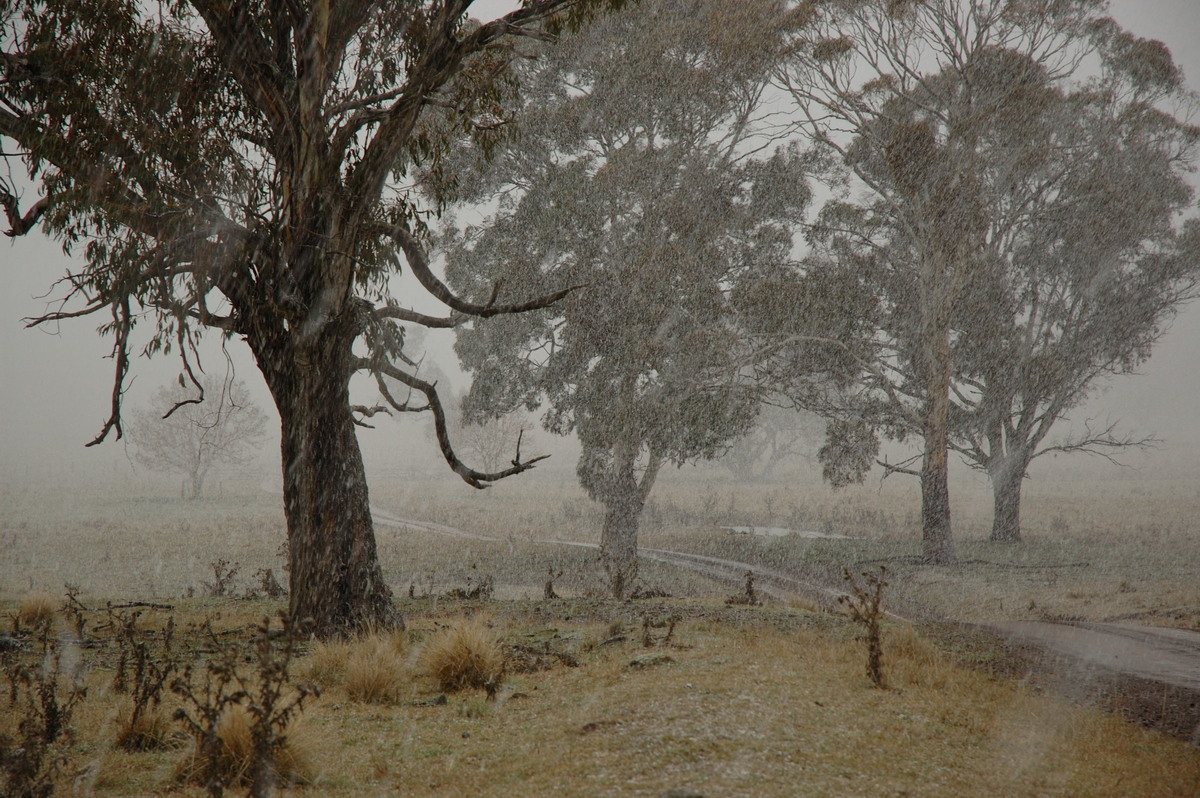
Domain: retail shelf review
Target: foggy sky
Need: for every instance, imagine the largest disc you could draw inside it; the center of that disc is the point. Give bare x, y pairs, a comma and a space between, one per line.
55, 384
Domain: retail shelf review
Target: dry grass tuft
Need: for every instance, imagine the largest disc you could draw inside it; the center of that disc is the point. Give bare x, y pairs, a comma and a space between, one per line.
914, 660
374, 668
326, 662
150, 730
295, 762
466, 655
36, 610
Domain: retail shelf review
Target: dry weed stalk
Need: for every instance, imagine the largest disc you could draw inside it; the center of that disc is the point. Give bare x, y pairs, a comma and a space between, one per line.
866, 607
223, 576
748, 597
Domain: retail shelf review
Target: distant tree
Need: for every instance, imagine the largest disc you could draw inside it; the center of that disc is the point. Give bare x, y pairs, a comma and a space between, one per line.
988, 220
249, 168
181, 435
639, 173
780, 435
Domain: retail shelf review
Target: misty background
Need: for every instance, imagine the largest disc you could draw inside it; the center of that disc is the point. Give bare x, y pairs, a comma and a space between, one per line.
56, 382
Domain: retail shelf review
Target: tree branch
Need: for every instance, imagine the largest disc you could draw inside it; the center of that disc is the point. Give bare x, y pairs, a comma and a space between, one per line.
419, 265
20, 224
476, 479
1096, 442
367, 412
403, 314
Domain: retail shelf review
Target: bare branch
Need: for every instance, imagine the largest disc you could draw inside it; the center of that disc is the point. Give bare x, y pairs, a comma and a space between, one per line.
1098, 442
475, 479
419, 265
123, 323
367, 412
898, 468
403, 314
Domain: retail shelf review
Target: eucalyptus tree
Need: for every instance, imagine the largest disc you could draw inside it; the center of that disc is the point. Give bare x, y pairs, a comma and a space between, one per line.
642, 172
249, 168
979, 212
1082, 284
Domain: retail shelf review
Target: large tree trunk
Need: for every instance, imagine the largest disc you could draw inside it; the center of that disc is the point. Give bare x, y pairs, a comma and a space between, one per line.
624, 497
937, 544
618, 540
1006, 492
337, 585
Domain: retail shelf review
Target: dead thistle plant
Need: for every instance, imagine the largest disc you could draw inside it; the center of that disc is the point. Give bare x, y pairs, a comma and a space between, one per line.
866, 607
31, 759
144, 727
218, 698
223, 576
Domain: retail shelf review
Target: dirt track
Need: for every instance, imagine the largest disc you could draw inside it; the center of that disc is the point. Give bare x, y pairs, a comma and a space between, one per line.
1150, 675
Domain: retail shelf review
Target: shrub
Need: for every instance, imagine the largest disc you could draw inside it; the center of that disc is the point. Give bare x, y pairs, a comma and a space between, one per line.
467, 655
241, 722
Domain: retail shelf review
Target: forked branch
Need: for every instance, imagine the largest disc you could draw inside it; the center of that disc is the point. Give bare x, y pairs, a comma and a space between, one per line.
419, 264
476, 479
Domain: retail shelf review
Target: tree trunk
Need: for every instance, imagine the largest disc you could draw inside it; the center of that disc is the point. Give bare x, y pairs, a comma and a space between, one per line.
1006, 493
937, 543
337, 585
624, 497
618, 540
197, 485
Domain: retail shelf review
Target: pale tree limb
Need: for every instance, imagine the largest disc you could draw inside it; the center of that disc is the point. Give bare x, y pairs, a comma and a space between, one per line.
367, 412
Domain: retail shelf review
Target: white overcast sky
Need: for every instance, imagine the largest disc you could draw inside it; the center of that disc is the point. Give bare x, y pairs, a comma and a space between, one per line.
54, 385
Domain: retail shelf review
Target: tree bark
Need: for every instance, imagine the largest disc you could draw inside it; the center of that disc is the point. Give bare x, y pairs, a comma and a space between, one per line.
337, 585
618, 540
937, 542
624, 498
1006, 493
197, 486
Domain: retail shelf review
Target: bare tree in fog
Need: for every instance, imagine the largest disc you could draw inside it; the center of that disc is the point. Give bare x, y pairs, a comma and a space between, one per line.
1015, 217
247, 168
781, 435
642, 174
181, 434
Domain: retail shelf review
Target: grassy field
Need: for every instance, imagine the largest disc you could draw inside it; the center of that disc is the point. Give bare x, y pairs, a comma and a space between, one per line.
753, 701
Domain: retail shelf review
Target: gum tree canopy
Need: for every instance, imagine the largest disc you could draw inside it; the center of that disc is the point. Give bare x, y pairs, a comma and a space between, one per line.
1021, 175
249, 168
645, 174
